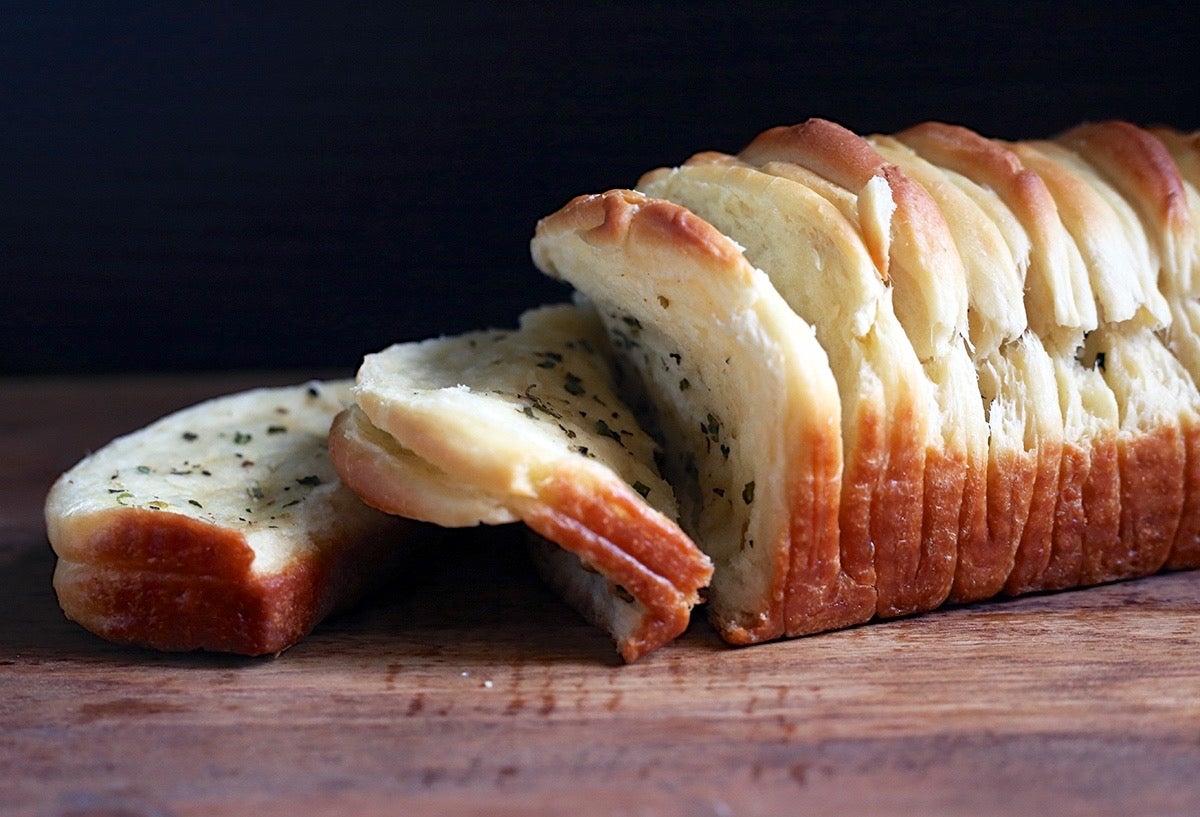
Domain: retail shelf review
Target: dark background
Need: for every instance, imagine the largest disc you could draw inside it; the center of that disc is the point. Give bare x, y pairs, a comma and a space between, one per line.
206, 186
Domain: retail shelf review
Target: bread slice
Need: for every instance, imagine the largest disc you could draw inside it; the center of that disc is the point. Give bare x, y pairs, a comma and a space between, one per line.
1060, 309
220, 527
907, 237
1016, 375
507, 426
817, 261
1156, 397
743, 394
1183, 337
1142, 168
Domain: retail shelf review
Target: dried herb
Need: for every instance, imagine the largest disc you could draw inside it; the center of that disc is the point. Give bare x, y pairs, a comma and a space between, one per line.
603, 429
573, 385
748, 492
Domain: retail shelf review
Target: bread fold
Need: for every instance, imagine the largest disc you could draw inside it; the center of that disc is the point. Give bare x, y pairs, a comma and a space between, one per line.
526, 426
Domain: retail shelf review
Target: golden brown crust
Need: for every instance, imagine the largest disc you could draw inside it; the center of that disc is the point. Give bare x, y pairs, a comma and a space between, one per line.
1033, 554
1101, 508
612, 512
164, 581
819, 594
1152, 466
895, 530
1185, 549
840, 155
606, 540
983, 569
975, 550
1064, 567
946, 478
1140, 166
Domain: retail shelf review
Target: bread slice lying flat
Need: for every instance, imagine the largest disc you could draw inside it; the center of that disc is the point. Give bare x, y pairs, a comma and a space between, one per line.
526, 425
220, 527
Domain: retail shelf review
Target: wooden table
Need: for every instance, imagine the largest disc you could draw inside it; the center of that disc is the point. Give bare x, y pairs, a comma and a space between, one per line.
468, 688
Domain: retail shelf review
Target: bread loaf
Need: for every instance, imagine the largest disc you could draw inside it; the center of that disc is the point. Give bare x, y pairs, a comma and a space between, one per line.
526, 426
825, 379
1010, 327
220, 527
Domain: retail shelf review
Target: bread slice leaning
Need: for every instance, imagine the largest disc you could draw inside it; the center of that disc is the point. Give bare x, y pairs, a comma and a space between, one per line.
820, 266
909, 237
526, 425
220, 527
743, 396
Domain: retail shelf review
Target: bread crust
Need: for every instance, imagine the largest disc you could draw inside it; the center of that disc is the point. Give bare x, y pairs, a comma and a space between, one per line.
916, 237
640, 555
170, 583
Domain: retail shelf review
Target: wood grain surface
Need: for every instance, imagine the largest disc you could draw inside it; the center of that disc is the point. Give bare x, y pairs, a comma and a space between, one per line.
467, 688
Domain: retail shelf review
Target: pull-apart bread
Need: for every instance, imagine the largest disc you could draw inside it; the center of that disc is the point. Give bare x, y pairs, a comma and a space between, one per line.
1005, 331
526, 425
825, 379
220, 527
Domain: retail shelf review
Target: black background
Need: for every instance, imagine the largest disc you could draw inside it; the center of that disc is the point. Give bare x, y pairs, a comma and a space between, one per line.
205, 186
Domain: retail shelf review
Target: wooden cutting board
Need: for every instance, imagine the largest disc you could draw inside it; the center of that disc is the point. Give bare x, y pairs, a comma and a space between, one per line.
467, 688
